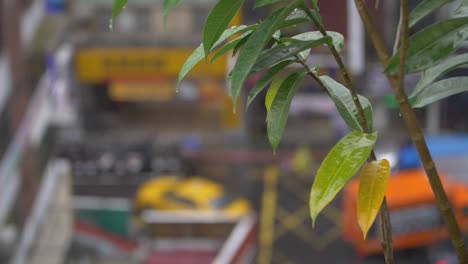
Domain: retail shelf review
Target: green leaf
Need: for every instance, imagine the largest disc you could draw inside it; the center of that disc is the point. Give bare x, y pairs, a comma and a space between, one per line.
254, 45
425, 8
285, 51
340, 165
336, 38
297, 17
372, 186
239, 45
462, 9
168, 6
273, 90
260, 3
279, 111
217, 21
439, 70
431, 45
315, 3
345, 104
265, 79
118, 6
230, 45
313, 14
199, 53
440, 90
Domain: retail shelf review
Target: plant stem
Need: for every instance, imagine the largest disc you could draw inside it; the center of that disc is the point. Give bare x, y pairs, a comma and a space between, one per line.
412, 125
384, 224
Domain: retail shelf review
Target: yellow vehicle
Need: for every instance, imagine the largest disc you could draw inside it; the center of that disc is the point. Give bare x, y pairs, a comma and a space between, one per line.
195, 193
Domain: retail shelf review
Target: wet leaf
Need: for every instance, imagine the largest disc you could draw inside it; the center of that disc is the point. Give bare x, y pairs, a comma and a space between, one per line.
440, 90
339, 166
265, 79
279, 111
373, 184
425, 8
217, 21
336, 38
254, 46
230, 46
462, 9
439, 70
168, 6
199, 53
345, 105
297, 17
273, 90
260, 3
431, 45
118, 6
285, 51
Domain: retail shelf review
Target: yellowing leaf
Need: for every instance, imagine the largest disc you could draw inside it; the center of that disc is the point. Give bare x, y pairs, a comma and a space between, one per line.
341, 164
374, 181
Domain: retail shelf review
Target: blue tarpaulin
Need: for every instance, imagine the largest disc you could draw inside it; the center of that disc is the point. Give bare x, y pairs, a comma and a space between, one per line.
440, 146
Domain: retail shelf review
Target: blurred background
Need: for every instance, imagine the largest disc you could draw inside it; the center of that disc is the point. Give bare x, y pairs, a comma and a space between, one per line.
103, 160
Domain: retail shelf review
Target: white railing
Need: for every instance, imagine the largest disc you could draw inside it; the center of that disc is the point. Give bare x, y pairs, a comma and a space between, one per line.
48, 194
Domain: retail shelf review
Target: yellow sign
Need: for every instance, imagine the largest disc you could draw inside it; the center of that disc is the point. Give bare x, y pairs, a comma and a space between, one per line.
103, 64
160, 91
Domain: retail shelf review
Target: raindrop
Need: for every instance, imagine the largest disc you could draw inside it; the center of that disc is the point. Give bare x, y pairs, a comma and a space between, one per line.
399, 114
111, 24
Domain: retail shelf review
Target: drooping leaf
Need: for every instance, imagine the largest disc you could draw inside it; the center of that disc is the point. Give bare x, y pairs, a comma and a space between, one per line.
439, 70
118, 6
199, 53
431, 45
265, 79
341, 164
217, 21
254, 45
462, 9
440, 90
273, 90
425, 8
278, 114
230, 46
260, 3
373, 184
168, 6
345, 104
285, 51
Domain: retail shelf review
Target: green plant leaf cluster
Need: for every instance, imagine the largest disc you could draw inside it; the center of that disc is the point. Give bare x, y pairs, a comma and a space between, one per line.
430, 53
262, 49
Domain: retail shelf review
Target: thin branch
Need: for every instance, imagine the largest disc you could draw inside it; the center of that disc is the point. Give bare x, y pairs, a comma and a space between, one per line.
397, 34
385, 225
414, 129
404, 35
